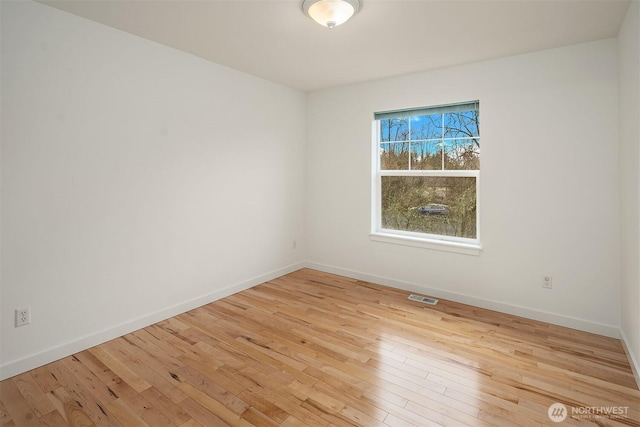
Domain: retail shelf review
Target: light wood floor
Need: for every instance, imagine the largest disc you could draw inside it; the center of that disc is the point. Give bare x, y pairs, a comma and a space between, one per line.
315, 349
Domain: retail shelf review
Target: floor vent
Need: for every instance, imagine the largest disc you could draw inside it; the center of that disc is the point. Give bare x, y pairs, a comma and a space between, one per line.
425, 300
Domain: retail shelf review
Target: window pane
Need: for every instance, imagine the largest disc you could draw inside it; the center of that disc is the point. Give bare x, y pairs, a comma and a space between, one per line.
433, 205
426, 156
462, 154
426, 127
394, 129
464, 124
394, 156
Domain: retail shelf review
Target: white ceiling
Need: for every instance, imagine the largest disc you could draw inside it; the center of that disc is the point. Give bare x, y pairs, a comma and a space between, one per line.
272, 39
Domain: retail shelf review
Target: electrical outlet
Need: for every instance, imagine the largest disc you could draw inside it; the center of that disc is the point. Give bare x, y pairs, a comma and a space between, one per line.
547, 282
23, 316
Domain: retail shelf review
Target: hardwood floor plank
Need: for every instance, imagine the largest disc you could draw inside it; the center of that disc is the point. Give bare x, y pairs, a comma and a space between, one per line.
260, 403
74, 412
5, 418
75, 401
201, 414
147, 367
125, 414
33, 395
16, 405
166, 406
53, 419
88, 380
120, 368
212, 389
316, 349
46, 382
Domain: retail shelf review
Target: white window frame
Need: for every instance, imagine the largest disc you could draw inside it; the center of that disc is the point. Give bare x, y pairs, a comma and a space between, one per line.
423, 240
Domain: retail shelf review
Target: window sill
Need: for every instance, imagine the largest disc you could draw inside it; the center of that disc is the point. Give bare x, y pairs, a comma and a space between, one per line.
439, 245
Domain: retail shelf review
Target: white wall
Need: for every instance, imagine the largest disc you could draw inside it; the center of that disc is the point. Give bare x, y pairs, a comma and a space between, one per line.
137, 182
549, 185
629, 69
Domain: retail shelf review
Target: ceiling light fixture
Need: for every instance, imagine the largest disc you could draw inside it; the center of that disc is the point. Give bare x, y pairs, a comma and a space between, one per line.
330, 13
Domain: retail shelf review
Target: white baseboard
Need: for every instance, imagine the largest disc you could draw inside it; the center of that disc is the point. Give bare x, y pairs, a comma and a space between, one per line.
25, 364
633, 358
516, 310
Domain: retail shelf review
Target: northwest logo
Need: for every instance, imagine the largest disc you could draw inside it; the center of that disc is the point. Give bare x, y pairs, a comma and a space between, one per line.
557, 412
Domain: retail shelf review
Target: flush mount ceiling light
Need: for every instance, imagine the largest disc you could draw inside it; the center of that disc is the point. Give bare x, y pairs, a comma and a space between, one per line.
330, 13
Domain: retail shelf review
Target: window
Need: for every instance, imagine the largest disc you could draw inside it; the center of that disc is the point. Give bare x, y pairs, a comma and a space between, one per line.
427, 171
